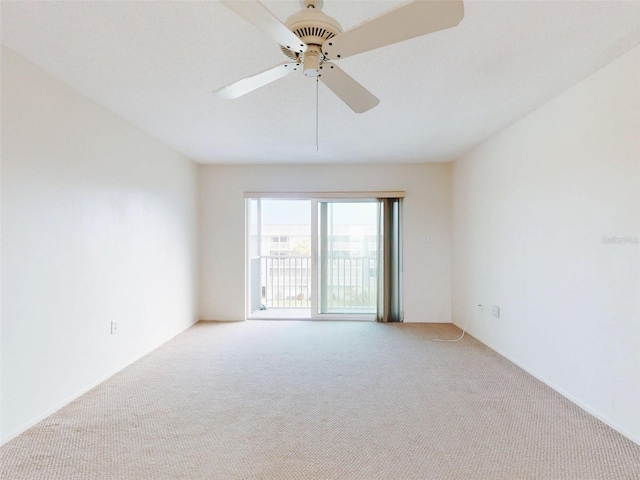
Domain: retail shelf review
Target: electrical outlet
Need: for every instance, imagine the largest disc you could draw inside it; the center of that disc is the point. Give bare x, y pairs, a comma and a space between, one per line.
496, 311
114, 328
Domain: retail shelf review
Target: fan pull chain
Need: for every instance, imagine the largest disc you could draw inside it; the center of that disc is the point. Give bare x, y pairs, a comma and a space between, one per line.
317, 112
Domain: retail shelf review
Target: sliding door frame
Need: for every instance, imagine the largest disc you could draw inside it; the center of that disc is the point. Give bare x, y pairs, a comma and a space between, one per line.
318, 281
247, 251
315, 198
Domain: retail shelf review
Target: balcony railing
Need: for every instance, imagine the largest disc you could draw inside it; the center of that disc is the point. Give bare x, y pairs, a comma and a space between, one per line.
350, 283
286, 282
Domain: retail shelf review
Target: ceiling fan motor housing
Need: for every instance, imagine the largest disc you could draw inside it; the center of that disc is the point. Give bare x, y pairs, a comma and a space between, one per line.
313, 27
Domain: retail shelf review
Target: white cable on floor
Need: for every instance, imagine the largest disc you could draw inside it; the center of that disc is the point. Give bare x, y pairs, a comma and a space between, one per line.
466, 322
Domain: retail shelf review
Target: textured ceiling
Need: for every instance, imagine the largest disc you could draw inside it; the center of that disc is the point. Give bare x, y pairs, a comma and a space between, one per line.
156, 64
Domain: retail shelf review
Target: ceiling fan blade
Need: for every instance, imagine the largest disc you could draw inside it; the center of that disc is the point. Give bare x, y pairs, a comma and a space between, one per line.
412, 20
249, 84
358, 98
258, 15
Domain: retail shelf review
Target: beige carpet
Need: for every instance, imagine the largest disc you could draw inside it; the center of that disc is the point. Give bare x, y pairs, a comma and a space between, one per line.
321, 400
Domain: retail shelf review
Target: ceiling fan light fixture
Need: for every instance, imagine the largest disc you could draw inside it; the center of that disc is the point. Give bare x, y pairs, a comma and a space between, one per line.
311, 61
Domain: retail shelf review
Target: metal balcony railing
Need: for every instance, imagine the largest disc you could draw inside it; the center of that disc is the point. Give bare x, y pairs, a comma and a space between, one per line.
286, 282
350, 283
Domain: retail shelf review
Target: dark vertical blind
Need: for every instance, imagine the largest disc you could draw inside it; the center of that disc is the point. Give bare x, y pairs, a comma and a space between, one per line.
390, 308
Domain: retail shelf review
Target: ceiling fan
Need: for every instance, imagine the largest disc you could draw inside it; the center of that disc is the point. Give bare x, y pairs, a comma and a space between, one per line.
313, 40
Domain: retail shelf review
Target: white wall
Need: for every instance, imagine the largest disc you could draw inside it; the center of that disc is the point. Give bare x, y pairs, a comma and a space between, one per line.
427, 209
99, 224
531, 207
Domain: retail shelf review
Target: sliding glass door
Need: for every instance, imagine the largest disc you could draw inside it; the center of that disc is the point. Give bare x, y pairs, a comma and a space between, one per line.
347, 257
321, 259
279, 269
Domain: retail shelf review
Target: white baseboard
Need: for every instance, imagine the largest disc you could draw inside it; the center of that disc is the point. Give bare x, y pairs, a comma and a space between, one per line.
590, 410
221, 321
432, 320
26, 426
